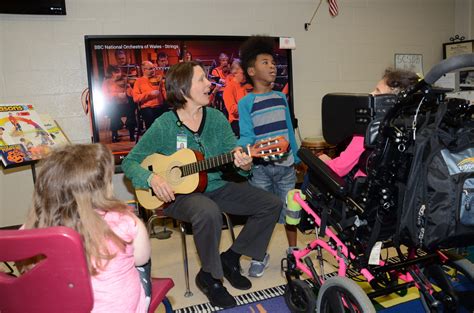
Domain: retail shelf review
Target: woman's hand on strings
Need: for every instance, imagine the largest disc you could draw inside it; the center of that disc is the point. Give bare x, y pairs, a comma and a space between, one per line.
242, 159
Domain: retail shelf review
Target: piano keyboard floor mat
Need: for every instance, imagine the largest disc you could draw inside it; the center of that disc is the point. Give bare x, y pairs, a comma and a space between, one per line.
271, 300
255, 298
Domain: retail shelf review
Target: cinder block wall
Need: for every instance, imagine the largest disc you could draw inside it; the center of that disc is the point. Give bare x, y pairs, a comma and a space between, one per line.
42, 58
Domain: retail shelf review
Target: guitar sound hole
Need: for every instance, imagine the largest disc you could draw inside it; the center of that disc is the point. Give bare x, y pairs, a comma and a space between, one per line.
175, 174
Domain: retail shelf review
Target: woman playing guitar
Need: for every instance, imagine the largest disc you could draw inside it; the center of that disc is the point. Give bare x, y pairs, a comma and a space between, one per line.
193, 125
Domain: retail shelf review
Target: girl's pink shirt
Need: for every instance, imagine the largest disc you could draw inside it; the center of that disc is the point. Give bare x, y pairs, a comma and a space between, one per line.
349, 158
118, 287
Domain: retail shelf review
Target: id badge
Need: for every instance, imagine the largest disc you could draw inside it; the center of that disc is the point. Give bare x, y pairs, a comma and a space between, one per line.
181, 141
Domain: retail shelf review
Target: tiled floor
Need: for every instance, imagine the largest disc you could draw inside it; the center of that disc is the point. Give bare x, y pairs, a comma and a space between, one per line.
167, 261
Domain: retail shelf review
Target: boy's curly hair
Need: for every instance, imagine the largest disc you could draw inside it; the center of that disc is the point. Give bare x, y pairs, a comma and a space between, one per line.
253, 47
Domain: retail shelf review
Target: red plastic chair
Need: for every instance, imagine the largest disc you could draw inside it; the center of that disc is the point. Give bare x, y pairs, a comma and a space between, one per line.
58, 283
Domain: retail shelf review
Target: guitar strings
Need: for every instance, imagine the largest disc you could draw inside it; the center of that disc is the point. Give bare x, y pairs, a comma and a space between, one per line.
197, 139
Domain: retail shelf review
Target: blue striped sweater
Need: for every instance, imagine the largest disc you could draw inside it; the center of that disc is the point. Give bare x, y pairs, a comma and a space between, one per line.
262, 116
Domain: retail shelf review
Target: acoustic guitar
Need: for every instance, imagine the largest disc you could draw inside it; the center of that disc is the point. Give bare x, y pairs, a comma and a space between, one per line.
185, 170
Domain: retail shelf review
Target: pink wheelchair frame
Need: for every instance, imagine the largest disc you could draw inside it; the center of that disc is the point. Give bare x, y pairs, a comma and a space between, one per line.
408, 271
342, 271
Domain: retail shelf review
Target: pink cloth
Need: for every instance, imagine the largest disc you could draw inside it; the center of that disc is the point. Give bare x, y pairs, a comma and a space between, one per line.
118, 287
348, 158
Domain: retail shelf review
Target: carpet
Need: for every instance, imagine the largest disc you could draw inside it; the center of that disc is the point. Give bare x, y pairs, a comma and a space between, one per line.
243, 302
271, 300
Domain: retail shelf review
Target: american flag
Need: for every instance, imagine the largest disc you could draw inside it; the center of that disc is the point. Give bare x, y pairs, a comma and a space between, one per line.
333, 9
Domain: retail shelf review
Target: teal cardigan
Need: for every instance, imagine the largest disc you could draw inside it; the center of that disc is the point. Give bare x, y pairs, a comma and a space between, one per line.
216, 138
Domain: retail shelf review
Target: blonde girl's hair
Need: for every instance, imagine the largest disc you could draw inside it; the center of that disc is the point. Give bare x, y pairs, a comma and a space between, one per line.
74, 189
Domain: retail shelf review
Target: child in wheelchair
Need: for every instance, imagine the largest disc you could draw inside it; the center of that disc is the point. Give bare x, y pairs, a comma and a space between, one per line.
355, 219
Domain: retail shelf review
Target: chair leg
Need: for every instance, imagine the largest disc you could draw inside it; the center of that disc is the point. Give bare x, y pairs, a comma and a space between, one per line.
149, 225
12, 271
167, 304
188, 292
164, 234
230, 226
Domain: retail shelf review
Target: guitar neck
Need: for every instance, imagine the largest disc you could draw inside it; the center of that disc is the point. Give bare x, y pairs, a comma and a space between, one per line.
207, 164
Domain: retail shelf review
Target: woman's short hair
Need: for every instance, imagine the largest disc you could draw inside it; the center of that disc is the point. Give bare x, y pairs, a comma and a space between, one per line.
178, 83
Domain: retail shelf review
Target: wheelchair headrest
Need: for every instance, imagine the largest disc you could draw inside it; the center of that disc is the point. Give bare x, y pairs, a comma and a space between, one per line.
348, 114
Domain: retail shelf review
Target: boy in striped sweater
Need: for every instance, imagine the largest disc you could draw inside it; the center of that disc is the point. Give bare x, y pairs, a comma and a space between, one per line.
264, 113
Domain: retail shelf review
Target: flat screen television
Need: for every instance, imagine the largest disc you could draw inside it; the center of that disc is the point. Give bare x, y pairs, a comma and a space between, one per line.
44, 7
121, 126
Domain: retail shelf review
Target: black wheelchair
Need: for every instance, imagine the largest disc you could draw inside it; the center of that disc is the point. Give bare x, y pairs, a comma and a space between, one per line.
355, 220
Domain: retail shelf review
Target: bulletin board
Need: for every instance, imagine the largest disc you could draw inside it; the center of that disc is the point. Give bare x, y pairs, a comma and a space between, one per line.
409, 62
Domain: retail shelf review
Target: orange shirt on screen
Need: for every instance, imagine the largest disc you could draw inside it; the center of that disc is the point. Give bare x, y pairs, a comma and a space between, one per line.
113, 90
142, 93
233, 92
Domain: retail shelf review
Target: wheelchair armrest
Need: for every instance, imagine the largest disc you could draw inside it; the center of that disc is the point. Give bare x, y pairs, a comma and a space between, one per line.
323, 173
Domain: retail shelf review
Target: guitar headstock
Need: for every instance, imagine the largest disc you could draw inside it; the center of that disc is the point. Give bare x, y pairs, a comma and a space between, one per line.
270, 149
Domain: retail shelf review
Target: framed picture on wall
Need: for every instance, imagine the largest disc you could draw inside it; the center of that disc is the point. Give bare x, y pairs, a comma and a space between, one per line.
466, 79
409, 62
455, 48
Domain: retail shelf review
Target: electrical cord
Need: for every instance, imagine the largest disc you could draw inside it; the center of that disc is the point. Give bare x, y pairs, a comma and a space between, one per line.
306, 25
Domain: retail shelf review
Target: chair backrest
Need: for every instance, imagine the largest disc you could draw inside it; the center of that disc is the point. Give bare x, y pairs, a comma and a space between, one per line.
59, 282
